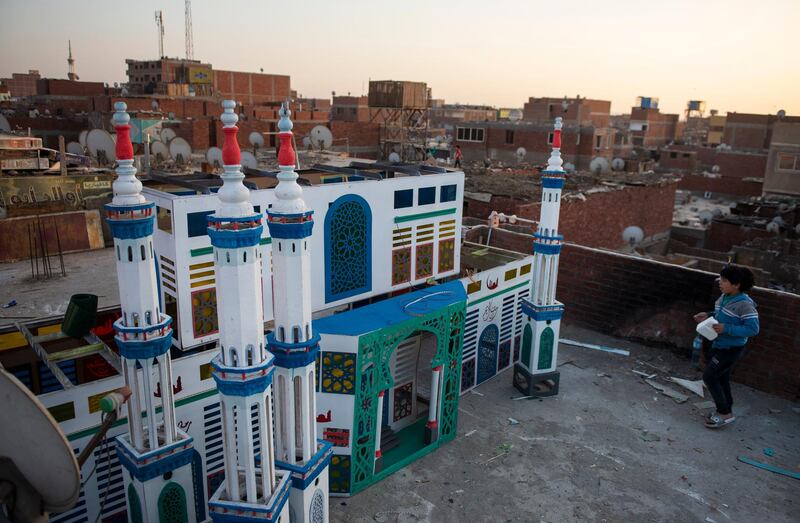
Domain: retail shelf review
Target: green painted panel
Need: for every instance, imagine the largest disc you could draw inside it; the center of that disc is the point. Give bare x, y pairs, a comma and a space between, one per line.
527, 343
546, 349
422, 216
172, 504
134, 505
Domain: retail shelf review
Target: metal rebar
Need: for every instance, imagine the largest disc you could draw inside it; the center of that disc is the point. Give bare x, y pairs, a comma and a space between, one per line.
30, 248
60, 252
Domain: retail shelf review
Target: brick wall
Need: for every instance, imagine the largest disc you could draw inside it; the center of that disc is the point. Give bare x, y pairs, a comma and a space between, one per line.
729, 185
652, 302
722, 236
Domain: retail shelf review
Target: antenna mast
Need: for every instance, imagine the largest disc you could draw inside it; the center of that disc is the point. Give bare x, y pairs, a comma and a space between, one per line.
71, 61
160, 26
189, 39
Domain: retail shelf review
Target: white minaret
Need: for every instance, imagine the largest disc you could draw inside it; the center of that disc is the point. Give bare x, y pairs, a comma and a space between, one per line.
253, 490
155, 452
543, 311
294, 343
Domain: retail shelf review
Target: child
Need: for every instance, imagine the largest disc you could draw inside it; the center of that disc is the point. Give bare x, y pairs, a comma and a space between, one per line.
458, 156
738, 320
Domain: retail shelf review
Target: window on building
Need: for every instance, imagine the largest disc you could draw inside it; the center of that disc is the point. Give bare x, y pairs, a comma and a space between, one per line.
404, 198
673, 154
447, 193
788, 162
509, 137
598, 140
686, 155
426, 196
469, 134
550, 137
644, 127
197, 223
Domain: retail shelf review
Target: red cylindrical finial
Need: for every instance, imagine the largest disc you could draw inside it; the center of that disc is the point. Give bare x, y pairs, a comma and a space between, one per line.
124, 147
557, 139
231, 153
286, 156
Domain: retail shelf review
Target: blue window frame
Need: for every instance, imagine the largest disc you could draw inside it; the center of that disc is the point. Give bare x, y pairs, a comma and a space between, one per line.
448, 193
404, 198
197, 223
348, 248
426, 196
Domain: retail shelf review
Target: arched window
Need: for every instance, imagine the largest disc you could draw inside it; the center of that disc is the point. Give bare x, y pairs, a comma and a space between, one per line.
348, 248
135, 319
308, 331
249, 355
130, 253
148, 318
172, 504
294, 247
134, 505
487, 353
234, 357
228, 256
244, 257
296, 334
546, 349
142, 252
118, 257
281, 334
527, 343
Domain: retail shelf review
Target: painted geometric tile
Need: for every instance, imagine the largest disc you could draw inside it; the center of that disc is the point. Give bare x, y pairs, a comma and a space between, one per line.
401, 265
447, 254
403, 401
204, 312
339, 473
468, 374
504, 358
338, 372
424, 261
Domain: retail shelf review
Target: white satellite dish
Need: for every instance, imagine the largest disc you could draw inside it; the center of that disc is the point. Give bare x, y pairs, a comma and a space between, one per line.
124, 91
171, 115
82, 137
599, 165
249, 160
394, 157
321, 137
39, 451
781, 114
521, 152
715, 169
180, 150
214, 156
633, 235
773, 227
167, 134
617, 164
4, 125
154, 105
569, 167
159, 151
101, 146
75, 148
705, 216
515, 115
256, 139
306, 142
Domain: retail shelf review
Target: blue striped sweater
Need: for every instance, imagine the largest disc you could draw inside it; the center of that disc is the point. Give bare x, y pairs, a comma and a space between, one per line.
740, 318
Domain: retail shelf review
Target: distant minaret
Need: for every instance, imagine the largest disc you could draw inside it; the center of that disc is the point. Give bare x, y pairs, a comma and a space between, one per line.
253, 490
157, 455
543, 311
294, 343
71, 61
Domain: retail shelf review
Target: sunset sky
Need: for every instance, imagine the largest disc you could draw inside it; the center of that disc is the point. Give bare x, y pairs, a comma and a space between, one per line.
736, 55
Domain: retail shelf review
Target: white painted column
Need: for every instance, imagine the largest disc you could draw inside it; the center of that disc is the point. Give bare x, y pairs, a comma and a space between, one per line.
134, 405
166, 399
305, 403
277, 385
312, 413
172, 427
265, 427
290, 443
379, 425
152, 426
229, 448
270, 443
247, 454
433, 408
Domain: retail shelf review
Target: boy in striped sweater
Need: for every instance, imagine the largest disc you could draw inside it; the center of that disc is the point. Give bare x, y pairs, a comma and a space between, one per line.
738, 321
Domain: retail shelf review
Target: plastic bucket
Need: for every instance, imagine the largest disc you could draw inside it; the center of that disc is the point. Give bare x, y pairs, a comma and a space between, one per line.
81, 315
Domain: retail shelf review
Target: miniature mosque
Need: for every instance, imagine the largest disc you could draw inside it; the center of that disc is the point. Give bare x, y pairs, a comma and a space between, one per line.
338, 353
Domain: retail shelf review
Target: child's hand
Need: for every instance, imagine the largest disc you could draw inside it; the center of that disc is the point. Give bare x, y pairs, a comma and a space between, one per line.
719, 328
700, 316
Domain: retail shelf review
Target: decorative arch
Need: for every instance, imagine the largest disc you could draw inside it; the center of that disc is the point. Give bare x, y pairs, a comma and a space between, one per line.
316, 513
527, 343
172, 504
348, 248
488, 345
134, 505
546, 349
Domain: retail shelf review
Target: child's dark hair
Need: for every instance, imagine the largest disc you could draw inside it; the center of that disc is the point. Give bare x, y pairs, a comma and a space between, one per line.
741, 275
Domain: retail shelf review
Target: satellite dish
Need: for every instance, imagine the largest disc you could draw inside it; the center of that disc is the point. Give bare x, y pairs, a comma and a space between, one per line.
617, 164
101, 146
124, 91
705, 216
307, 142
4, 125
321, 137
797, 228
167, 134
154, 105
116, 85
773, 227
633, 235
214, 156
75, 148
160, 151
171, 115
249, 160
717, 212
521, 152
569, 167
82, 137
715, 169
394, 157
781, 114
180, 150
256, 139
599, 165
515, 115
42, 457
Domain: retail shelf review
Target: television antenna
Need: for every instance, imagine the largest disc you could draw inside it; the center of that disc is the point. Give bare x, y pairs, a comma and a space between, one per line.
188, 36
248, 160
160, 151
101, 146
160, 27
256, 139
75, 148
515, 115
521, 152
167, 135
633, 235
82, 137
617, 164
180, 151
214, 157
394, 157
321, 137
599, 165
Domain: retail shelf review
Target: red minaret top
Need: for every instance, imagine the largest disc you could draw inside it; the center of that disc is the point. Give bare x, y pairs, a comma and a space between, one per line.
231, 154
124, 147
286, 155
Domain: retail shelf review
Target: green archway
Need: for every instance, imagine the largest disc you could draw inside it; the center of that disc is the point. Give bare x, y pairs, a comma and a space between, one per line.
546, 349
134, 505
172, 504
527, 343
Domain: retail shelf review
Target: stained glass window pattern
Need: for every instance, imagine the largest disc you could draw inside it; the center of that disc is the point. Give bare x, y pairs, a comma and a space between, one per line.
447, 249
204, 312
347, 248
424, 261
403, 401
487, 353
504, 358
401, 266
339, 473
172, 504
468, 374
316, 513
338, 372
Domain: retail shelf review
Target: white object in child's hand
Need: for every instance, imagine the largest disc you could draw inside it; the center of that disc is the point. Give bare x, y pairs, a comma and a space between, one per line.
706, 328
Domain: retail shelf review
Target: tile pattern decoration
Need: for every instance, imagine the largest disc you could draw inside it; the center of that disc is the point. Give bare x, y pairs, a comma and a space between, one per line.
338, 372
424, 261
204, 312
401, 265
339, 474
403, 401
447, 249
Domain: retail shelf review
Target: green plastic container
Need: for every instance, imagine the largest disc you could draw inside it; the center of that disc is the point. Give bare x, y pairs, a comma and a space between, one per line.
81, 315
